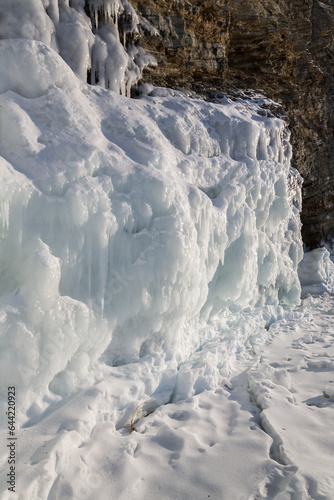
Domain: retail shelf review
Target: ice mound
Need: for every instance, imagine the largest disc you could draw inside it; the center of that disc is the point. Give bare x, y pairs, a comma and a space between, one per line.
30, 68
316, 271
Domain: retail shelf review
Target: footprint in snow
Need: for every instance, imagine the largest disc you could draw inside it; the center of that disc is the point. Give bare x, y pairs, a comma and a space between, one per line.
181, 416
173, 458
167, 438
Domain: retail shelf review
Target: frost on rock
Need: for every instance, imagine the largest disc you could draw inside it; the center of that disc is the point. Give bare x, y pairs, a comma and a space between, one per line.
98, 39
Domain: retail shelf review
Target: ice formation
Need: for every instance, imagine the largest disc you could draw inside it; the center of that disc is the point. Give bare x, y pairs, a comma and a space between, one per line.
145, 246
129, 226
97, 38
316, 271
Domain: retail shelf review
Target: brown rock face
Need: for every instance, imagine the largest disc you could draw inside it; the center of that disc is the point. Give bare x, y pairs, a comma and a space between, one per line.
284, 48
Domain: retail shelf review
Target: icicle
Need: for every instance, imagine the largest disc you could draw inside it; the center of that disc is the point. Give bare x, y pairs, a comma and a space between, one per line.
123, 91
116, 12
4, 218
96, 18
107, 11
128, 88
110, 63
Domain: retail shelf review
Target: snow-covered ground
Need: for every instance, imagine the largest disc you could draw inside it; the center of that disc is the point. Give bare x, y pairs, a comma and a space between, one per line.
265, 432
151, 324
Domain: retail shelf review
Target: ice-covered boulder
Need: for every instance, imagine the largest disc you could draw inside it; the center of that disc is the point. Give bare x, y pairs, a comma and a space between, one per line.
130, 224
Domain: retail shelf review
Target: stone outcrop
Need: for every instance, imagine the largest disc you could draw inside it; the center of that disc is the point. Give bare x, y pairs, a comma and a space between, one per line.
284, 48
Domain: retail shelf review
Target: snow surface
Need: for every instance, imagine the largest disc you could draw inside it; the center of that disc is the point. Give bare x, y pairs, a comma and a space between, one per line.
149, 249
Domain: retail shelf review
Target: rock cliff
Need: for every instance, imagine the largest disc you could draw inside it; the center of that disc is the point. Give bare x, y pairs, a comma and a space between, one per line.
284, 48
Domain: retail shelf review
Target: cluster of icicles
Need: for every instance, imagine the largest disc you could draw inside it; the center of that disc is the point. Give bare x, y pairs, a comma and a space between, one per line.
98, 39
115, 64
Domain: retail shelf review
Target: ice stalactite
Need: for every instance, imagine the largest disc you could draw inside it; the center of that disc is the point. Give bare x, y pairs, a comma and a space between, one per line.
104, 10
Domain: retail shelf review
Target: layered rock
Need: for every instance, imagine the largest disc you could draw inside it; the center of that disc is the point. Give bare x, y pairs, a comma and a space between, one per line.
283, 47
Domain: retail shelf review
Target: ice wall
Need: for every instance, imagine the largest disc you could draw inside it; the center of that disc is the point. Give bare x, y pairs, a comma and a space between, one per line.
128, 226
98, 39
